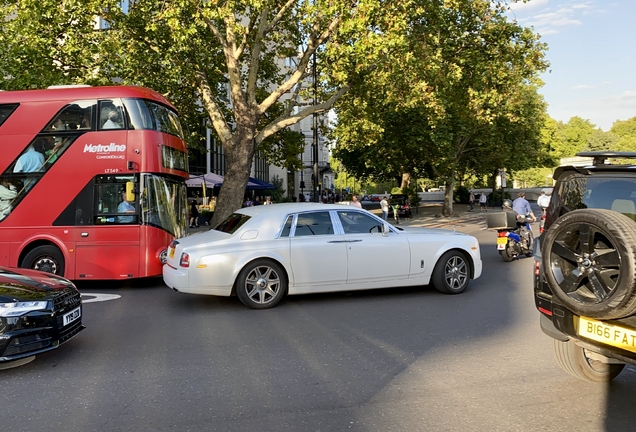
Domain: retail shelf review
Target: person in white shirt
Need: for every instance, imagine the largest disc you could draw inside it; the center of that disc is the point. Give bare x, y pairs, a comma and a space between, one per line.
544, 200
7, 194
355, 202
483, 201
384, 206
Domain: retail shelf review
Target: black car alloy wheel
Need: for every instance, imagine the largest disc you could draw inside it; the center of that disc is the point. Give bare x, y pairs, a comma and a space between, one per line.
589, 261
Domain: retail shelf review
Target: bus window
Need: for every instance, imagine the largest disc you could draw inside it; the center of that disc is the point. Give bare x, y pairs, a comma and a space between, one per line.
77, 116
143, 114
114, 205
5, 111
8, 192
111, 114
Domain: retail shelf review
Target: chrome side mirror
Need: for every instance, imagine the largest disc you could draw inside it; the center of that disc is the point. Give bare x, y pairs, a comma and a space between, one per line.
385, 230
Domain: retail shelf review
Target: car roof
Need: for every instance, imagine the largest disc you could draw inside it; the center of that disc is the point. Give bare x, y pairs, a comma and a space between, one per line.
286, 208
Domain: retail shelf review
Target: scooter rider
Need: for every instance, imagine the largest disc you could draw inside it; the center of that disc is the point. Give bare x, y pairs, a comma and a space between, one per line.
522, 207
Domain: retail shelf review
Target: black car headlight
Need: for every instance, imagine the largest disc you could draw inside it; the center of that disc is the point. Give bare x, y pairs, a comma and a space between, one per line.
16, 309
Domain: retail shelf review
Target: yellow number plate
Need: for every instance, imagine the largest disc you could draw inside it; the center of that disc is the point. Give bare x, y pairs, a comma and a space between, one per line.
502, 240
607, 333
171, 252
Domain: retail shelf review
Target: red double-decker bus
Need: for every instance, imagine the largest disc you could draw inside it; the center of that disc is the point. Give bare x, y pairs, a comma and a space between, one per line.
93, 181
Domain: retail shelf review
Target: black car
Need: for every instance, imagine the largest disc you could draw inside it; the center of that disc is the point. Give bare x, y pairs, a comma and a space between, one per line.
403, 206
38, 312
585, 267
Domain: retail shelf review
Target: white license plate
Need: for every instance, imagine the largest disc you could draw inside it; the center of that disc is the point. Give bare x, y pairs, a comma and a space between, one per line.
609, 334
72, 316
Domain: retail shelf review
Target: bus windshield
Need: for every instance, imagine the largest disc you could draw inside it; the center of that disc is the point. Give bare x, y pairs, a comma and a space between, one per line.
163, 204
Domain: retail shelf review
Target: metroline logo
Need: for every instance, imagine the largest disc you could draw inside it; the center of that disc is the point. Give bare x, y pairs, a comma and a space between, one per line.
104, 148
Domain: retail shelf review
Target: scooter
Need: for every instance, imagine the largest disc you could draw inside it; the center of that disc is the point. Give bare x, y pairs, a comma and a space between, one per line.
513, 242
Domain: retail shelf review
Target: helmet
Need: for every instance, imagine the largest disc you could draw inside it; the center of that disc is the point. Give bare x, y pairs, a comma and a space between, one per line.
507, 204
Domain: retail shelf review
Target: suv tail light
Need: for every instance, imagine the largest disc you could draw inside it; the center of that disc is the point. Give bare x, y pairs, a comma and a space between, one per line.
537, 267
542, 223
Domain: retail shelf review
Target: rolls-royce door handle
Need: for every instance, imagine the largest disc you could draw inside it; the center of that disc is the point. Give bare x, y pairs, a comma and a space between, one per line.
84, 234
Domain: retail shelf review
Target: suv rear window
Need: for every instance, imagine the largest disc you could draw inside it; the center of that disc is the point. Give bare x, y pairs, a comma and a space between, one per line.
607, 192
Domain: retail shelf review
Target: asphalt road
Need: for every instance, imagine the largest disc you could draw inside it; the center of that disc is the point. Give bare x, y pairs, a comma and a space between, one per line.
386, 360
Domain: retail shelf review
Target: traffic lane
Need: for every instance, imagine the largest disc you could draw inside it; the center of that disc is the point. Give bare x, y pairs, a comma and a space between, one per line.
287, 366
407, 359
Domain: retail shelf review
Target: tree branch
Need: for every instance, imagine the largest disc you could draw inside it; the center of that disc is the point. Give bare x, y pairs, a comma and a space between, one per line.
286, 121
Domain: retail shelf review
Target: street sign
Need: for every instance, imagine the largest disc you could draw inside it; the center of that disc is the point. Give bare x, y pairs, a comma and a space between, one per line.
333, 187
347, 189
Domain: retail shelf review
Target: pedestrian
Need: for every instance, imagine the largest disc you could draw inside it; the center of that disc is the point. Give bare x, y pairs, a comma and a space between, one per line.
471, 201
396, 215
384, 206
483, 200
544, 200
355, 202
194, 214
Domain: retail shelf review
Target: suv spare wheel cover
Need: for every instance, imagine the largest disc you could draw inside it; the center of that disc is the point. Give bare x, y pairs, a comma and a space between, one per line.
589, 262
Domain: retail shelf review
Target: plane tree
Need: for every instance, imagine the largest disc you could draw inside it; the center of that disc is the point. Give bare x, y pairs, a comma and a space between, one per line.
230, 63
466, 85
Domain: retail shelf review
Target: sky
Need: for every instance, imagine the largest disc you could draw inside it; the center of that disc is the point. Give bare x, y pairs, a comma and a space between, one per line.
592, 55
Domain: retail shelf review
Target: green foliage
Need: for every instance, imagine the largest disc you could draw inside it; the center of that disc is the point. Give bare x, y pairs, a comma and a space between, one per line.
461, 194
396, 191
456, 96
413, 196
278, 193
494, 198
534, 177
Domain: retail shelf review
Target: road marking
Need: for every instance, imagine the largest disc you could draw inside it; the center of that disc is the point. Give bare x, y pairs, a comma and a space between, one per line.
94, 297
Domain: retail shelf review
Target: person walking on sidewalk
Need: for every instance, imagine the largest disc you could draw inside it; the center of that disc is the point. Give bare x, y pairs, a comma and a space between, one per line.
194, 214
396, 215
483, 200
471, 201
384, 206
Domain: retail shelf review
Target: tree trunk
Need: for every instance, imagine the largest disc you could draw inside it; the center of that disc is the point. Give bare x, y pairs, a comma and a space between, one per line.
406, 180
447, 210
238, 159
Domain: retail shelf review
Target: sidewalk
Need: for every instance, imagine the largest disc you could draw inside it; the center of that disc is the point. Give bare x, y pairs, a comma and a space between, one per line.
429, 215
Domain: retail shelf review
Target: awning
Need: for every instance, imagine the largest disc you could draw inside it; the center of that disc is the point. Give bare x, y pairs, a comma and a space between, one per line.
255, 184
211, 180
214, 180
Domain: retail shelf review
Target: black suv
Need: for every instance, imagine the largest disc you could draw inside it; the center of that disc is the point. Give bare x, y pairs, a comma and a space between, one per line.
585, 267
403, 206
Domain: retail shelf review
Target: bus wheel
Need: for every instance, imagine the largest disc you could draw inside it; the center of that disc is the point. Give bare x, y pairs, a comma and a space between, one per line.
45, 258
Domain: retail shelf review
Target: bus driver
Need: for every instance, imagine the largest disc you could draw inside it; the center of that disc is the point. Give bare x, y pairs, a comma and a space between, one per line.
125, 207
